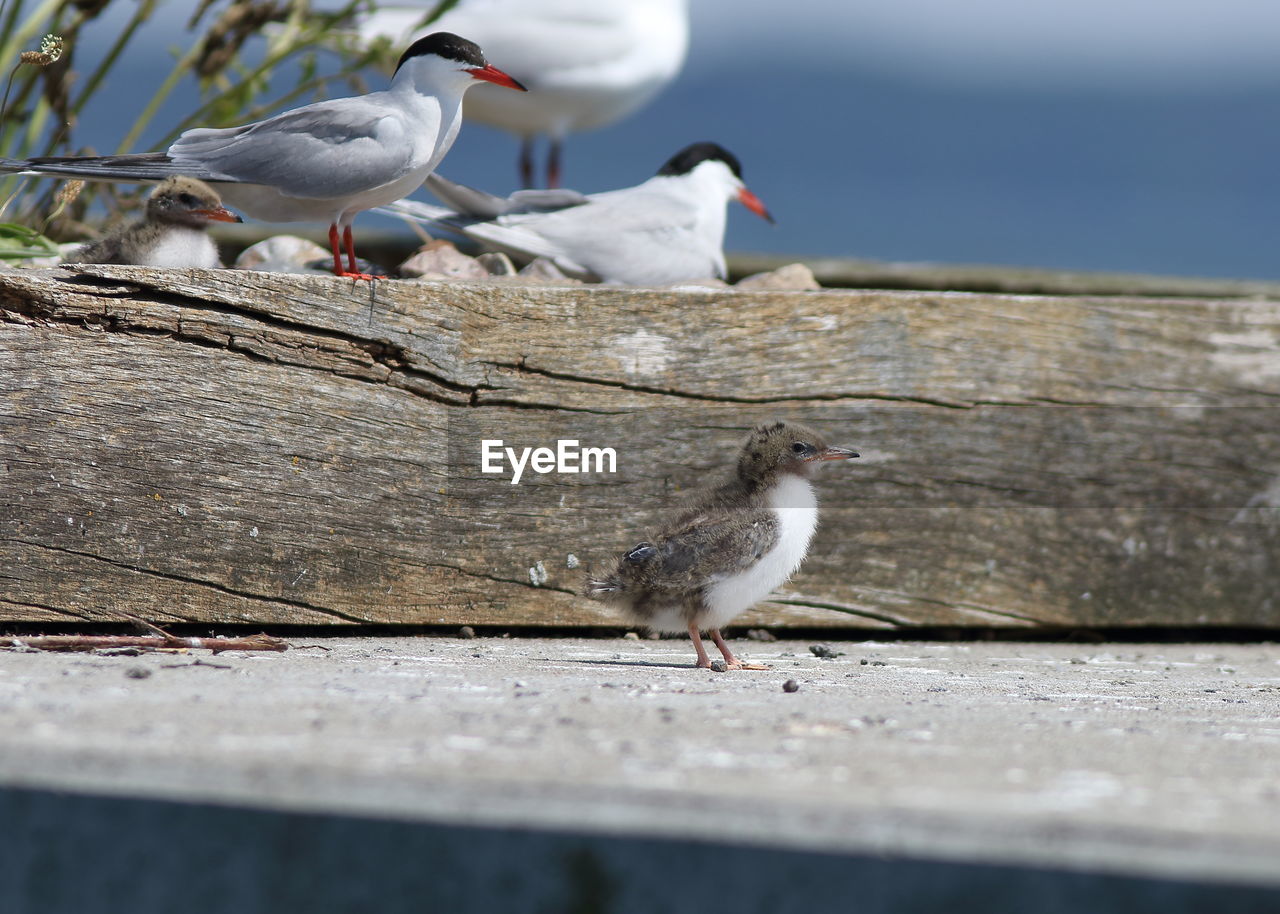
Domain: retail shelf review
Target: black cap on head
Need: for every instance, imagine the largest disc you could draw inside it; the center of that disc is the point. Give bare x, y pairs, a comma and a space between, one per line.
689, 158
446, 45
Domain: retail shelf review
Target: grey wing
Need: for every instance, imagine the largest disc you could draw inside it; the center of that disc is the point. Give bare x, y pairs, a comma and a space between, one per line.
141, 167
629, 236
709, 548
492, 233
105, 250
329, 149
468, 201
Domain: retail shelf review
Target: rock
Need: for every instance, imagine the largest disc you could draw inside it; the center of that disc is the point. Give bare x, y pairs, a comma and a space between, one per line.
825, 652
497, 264
719, 666
791, 686
284, 254
439, 259
542, 270
794, 277
761, 634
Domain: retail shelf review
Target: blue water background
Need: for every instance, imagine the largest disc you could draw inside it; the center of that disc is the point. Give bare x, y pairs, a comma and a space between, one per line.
855, 162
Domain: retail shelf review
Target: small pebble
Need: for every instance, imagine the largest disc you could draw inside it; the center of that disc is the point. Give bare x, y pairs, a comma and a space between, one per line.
632, 636
466, 632
719, 666
571, 561
439, 259
137, 672
791, 686
825, 652
761, 634
497, 264
792, 277
541, 269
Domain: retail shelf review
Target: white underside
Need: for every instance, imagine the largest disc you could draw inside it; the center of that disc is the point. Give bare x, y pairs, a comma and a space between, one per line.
180, 247
796, 506
269, 204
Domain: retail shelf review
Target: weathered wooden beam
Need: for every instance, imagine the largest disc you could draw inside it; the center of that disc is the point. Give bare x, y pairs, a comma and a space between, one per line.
246, 447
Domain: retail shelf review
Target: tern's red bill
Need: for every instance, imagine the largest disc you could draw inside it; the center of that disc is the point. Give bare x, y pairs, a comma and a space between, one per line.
218, 214
490, 73
755, 204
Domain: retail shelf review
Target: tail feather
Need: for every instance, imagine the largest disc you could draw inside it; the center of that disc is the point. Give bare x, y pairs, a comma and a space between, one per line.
139, 168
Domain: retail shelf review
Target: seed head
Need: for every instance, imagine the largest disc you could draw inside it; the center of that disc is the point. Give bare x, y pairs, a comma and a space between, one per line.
51, 48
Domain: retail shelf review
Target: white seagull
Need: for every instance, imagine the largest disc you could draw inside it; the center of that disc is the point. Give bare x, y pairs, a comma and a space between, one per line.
587, 63
323, 162
668, 229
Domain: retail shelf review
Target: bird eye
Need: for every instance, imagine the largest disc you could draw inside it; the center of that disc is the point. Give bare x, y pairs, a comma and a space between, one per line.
188, 200
799, 447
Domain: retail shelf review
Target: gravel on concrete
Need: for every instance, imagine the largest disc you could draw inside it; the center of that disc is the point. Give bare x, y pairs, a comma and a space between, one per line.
1131, 758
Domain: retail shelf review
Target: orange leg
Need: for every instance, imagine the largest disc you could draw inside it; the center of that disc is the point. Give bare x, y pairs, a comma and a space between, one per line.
349, 241
526, 162
553, 164
337, 253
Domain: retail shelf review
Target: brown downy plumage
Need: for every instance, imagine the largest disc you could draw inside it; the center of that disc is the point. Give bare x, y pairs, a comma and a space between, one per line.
730, 547
172, 233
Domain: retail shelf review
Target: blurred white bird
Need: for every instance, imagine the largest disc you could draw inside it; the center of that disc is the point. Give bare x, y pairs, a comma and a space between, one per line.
668, 229
586, 63
327, 161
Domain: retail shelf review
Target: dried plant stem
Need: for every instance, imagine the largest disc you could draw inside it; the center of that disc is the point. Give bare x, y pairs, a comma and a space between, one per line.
161, 642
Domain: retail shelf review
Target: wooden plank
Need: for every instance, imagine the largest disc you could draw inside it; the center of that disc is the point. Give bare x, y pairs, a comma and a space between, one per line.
241, 447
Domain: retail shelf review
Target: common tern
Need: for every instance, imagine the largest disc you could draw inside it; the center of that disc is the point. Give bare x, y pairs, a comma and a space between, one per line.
172, 232
668, 229
729, 548
323, 162
587, 63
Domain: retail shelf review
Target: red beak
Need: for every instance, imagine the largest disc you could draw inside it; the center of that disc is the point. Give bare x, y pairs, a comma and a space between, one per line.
492, 74
754, 203
218, 214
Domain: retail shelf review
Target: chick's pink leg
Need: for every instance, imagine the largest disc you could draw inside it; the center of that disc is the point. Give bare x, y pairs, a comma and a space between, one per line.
696, 637
733, 662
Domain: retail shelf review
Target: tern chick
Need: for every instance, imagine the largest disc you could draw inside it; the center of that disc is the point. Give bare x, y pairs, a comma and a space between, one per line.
171, 234
729, 548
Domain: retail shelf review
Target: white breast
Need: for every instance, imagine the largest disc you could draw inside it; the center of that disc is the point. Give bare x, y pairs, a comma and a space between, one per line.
180, 246
796, 507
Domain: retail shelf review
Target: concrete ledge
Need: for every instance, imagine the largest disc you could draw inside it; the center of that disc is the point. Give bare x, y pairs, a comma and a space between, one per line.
609, 775
83, 855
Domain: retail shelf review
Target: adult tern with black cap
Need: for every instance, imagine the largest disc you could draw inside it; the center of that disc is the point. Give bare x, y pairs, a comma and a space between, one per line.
668, 229
323, 162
